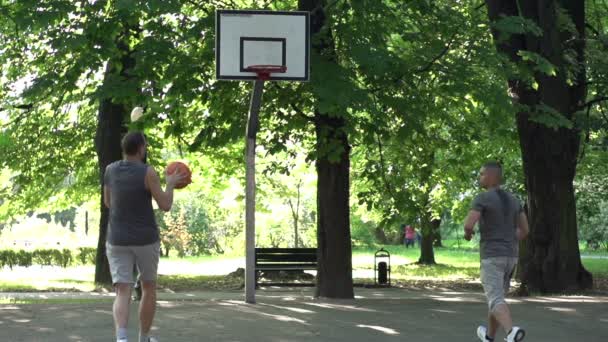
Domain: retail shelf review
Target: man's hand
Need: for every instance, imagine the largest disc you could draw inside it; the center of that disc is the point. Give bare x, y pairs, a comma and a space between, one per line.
468, 235
174, 178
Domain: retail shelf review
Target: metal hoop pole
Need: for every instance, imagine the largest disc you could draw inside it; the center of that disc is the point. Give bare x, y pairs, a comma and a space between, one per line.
252, 129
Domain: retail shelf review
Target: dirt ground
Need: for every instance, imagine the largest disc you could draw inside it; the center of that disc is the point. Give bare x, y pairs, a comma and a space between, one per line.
292, 315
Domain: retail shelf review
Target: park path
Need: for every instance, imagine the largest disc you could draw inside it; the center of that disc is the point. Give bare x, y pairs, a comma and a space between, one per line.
292, 315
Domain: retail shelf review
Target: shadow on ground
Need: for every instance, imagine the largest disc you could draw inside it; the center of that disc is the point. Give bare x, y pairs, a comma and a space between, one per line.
292, 315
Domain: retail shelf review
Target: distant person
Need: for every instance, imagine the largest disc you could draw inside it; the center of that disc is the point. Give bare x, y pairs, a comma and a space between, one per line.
133, 236
410, 236
502, 223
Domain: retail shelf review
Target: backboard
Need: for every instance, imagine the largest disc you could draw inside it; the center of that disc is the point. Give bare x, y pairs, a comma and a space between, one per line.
247, 38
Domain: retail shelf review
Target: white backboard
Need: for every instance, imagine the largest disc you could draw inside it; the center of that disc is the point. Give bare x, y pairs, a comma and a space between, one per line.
245, 38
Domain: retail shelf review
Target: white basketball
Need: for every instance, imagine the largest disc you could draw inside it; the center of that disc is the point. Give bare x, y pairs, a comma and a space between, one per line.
136, 113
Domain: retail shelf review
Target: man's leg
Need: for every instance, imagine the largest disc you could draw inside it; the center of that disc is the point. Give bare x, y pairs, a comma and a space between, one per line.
147, 308
498, 273
121, 261
147, 263
502, 315
121, 309
503, 312
493, 325
492, 279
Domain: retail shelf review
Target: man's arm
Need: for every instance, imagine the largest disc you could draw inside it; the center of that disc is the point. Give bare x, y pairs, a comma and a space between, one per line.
106, 196
164, 199
106, 188
469, 223
522, 226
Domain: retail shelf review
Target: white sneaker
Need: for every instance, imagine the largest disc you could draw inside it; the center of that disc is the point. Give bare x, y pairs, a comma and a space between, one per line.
482, 331
517, 334
122, 340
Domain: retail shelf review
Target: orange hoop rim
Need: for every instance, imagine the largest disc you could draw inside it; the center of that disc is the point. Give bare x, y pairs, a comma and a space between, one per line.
264, 71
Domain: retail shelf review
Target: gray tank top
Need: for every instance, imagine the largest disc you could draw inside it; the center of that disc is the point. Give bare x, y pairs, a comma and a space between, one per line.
132, 221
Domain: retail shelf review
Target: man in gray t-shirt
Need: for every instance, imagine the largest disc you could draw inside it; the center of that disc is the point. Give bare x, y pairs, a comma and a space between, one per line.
497, 223
502, 223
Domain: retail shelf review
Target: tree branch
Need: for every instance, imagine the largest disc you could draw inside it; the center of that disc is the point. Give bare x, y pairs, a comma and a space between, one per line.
594, 101
301, 113
593, 29
439, 56
587, 138
180, 139
26, 110
604, 114
383, 167
23, 106
428, 65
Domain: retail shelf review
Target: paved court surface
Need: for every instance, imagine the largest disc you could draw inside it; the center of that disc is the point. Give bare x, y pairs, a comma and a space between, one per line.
292, 315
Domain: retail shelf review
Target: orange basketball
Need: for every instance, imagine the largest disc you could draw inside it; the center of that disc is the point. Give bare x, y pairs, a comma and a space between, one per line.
183, 168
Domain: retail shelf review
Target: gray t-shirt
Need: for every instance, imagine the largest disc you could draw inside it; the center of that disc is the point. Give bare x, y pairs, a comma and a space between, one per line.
132, 221
498, 223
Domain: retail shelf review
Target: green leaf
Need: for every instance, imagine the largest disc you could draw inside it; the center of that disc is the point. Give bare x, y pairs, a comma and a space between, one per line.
4, 140
509, 25
541, 64
126, 5
550, 117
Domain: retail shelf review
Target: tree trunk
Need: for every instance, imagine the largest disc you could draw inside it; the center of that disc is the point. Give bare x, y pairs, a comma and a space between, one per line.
297, 218
550, 257
334, 275
107, 142
110, 129
295, 214
427, 252
435, 224
380, 236
296, 238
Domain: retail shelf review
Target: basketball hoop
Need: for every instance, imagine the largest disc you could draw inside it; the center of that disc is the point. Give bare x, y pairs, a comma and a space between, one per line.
259, 46
264, 71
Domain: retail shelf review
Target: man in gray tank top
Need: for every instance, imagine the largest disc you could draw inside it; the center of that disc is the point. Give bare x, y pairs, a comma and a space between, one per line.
502, 223
133, 236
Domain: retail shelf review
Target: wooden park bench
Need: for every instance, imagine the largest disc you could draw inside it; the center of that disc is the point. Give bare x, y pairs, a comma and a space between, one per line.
284, 259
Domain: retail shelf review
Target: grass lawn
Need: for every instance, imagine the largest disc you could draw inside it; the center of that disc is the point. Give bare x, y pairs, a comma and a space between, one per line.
209, 272
452, 263
598, 267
